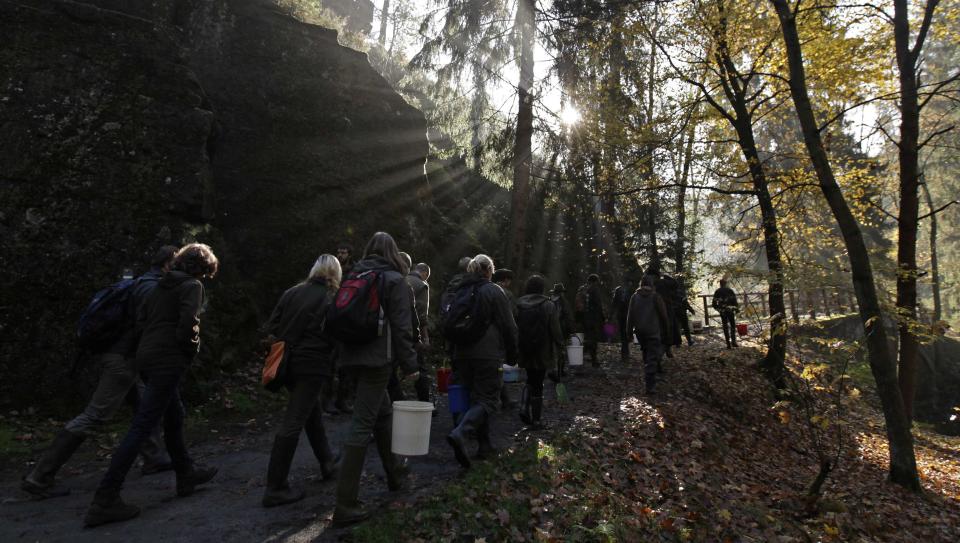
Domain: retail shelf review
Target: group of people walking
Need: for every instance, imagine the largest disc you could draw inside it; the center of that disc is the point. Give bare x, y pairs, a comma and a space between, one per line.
363, 324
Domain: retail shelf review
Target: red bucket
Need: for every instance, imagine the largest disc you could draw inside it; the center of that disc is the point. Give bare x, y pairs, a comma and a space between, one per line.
443, 379
742, 329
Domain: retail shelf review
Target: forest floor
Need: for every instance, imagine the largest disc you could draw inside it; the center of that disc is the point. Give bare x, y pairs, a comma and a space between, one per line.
712, 456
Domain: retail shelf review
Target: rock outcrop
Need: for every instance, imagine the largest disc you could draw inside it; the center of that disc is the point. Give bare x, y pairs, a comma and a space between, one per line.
126, 125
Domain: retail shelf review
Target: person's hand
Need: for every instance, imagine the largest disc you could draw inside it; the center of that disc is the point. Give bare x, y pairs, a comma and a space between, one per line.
411, 376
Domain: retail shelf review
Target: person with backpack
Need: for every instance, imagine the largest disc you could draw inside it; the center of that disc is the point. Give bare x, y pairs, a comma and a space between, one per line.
540, 341
168, 324
480, 325
372, 316
117, 383
646, 321
589, 307
620, 306
298, 320
725, 302
394, 389
667, 288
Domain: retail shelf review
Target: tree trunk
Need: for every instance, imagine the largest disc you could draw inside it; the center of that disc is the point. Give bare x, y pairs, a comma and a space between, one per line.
680, 253
934, 261
522, 154
903, 464
384, 12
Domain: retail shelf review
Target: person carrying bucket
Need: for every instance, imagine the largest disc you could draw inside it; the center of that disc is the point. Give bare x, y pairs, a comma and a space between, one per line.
540, 339
725, 302
479, 323
374, 334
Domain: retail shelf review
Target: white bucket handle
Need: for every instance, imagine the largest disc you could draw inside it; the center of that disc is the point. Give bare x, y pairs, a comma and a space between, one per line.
576, 337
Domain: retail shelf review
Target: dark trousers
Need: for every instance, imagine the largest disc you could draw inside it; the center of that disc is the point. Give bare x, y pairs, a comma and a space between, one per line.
652, 351
394, 390
372, 403
161, 400
483, 379
624, 338
304, 413
535, 382
729, 322
424, 380
685, 325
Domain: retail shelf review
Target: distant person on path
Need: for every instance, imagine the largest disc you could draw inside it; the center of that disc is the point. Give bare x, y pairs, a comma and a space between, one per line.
446, 298
503, 278
646, 321
298, 320
683, 307
589, 311
169, 326
477, 362
370, 364
666, 288
725, 302
393, 387
417, 279
342, 401
540, 341
118, 382
620, 306
566, 328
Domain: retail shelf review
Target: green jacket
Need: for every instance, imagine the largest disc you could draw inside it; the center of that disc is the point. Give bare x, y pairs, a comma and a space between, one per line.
168, 322
298, 320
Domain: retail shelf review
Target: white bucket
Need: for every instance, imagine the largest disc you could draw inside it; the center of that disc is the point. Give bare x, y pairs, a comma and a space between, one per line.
411, 428
580, 336
575, 351
511, 374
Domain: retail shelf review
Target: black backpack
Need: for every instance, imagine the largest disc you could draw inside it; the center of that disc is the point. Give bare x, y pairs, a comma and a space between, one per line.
106, 317
532, 322
356, 314
464, 318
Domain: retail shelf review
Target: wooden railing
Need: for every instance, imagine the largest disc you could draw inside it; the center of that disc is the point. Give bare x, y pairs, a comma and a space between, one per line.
801, 303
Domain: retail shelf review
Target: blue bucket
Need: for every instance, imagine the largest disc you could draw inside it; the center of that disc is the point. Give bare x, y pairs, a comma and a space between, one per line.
459, 398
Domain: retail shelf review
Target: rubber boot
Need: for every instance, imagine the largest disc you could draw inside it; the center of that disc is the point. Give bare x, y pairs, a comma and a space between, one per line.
505, 401
41, 481
349, 510
485, 449
395, 468
317, 436
278, 490
188, 481
472, 419
326, 392
108, 507
525, 406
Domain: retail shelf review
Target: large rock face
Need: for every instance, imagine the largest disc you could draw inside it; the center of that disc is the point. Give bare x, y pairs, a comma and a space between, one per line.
129, 125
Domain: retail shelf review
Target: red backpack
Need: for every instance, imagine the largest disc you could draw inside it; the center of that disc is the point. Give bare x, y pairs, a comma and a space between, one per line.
356, 314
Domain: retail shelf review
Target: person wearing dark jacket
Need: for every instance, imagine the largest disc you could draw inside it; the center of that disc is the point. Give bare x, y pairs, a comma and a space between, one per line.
646, 321
682, 308
725, 302
620, 306
503, 278
298, 320
591, 316
417, 279
537, 314
666, 288
169, 326
566, 328
394, 389
477, 365
118, 382
371, 365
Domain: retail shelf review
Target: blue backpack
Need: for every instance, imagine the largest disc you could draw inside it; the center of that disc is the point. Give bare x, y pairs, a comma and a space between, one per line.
106, 317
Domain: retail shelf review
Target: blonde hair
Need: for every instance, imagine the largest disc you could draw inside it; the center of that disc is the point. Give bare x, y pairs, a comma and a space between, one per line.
480, 264
327, 267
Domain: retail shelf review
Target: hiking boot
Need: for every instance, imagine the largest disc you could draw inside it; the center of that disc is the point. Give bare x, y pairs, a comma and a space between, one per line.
278, 491
108, 507
455, 440
41, 481
187, 482
472, 421
349, 509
